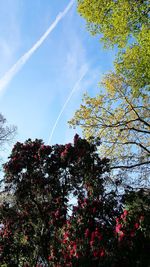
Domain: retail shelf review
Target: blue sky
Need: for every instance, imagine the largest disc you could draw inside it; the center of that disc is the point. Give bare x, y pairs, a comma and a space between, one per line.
34, 97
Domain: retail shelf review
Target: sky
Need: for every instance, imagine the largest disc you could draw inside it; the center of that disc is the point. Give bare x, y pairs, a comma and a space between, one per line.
42, 94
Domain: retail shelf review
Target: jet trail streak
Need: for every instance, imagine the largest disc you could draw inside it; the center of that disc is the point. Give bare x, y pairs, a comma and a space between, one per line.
8, 76
65, 104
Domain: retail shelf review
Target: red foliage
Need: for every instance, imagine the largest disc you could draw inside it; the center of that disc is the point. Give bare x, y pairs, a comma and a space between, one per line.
38, 229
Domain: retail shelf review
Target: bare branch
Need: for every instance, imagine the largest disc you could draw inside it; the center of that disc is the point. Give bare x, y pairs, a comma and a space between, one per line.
131, 166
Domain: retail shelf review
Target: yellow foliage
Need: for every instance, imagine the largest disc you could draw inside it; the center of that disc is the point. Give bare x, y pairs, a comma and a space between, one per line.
121, 121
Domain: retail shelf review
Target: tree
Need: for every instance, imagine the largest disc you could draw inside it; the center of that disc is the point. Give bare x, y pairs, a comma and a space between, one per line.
120, 114
38, 229
125, 24
41, 179
132, 63
6, 132
117, 21
120, 121
89, 240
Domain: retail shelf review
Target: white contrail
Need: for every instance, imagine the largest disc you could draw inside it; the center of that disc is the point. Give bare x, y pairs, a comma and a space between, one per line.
84, 71
8, 76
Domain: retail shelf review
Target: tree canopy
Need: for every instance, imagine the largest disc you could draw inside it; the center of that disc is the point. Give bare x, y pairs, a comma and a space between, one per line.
119, 115
120, 120
117, 21
40, 227
60, 211
125, 24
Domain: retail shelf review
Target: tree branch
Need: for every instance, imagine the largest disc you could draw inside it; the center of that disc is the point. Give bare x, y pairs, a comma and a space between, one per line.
131, 166
137, 130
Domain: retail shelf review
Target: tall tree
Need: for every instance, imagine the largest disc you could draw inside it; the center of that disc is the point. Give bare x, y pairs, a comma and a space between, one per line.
125, 24
119, 115
38, 229
120, 121
41, 179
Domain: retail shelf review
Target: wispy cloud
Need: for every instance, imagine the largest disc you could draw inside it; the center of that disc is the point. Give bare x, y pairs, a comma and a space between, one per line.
5, 80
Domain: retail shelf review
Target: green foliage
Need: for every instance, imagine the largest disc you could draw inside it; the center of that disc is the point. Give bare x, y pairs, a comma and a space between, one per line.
133, 63
126, 24
119, 114
117, 21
